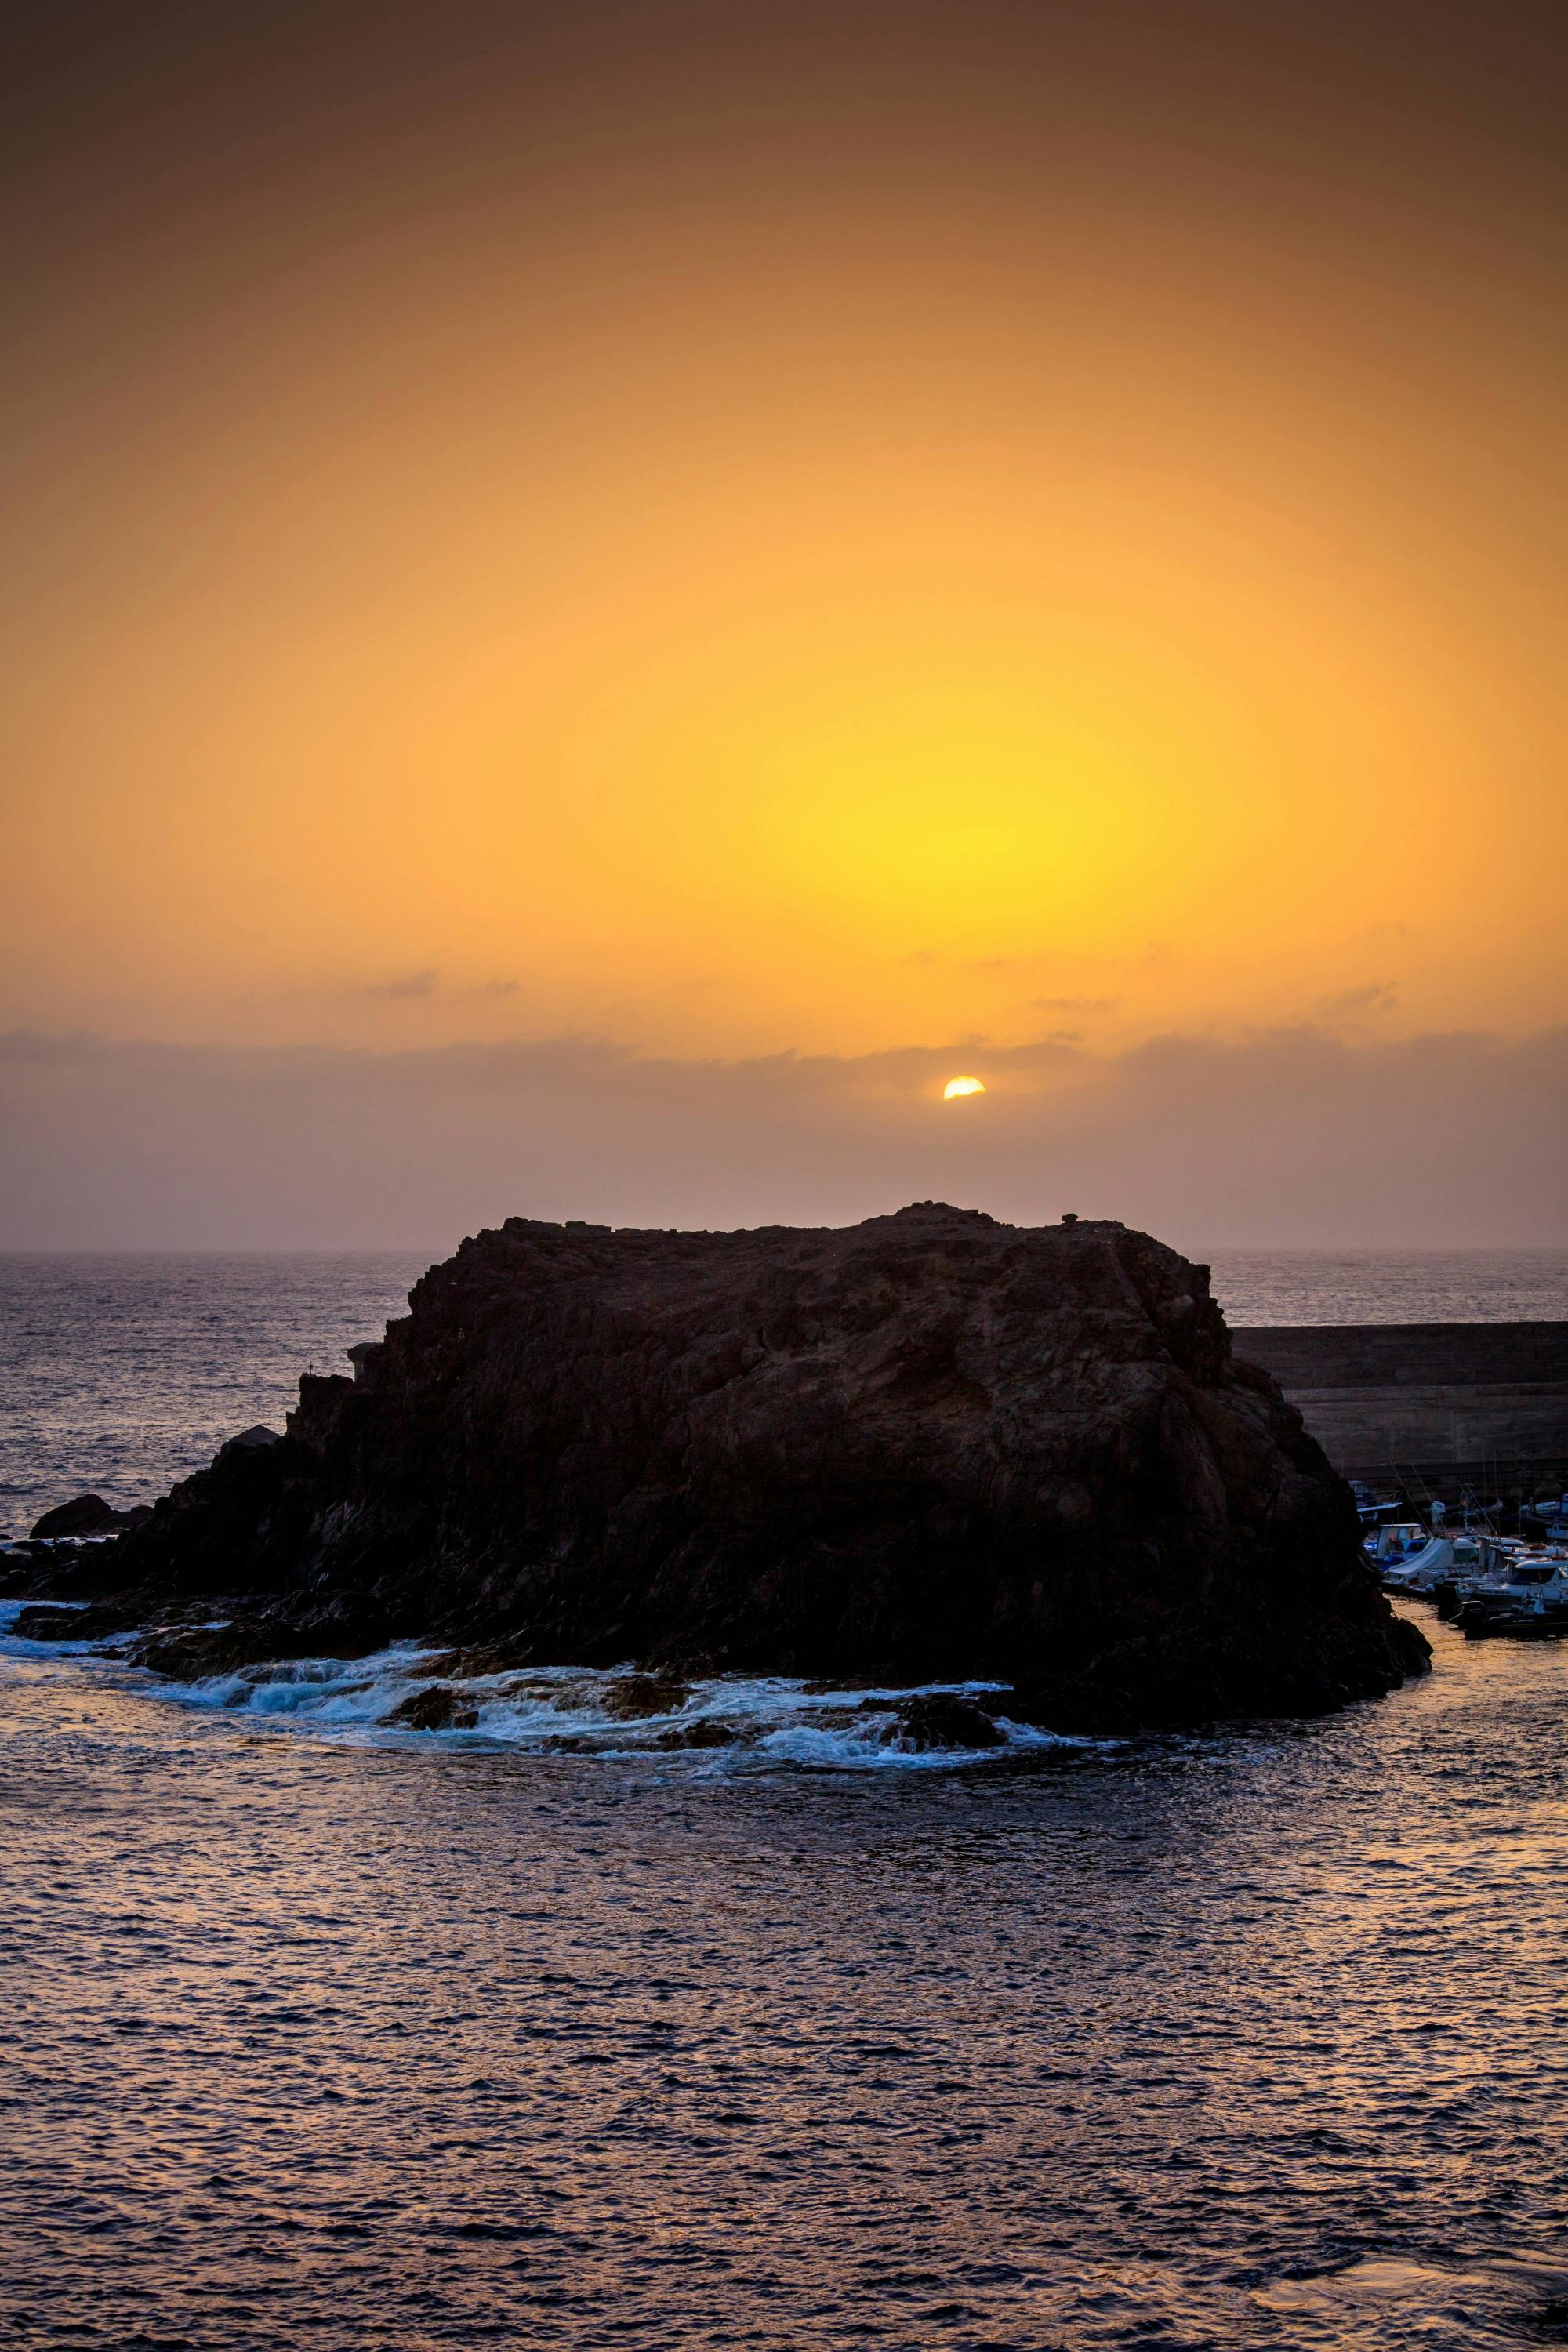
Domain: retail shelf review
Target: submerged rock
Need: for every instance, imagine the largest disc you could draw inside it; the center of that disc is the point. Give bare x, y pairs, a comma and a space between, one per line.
927, 1447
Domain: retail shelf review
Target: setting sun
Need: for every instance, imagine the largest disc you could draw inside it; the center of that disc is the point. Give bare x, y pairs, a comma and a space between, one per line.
955, 1086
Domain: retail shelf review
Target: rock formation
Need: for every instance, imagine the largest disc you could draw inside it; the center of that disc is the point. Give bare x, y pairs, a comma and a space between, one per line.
85, 1516
924, 1448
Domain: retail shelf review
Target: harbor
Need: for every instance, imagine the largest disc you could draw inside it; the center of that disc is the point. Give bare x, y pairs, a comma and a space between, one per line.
1455, 1438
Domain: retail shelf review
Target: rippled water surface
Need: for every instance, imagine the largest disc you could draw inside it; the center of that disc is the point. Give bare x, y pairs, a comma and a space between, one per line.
556, 2030
317, 2034
119, 1373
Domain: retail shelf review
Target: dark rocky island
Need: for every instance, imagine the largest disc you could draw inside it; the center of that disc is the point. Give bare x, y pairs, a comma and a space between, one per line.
929, 1447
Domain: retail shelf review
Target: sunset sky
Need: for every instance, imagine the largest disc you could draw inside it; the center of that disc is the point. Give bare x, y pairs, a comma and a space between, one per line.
634, 587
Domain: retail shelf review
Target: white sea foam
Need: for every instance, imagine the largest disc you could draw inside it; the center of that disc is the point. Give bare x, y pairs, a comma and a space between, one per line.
718, 1724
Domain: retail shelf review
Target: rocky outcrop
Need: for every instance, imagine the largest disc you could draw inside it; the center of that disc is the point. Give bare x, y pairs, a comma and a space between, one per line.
929, 1448
84, 1516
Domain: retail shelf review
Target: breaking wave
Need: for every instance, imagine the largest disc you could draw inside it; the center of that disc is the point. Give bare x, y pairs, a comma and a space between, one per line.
707, 1725
712, 1724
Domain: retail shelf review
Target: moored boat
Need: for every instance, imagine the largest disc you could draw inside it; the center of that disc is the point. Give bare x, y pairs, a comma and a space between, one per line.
1394, 1548
1522, 1590
1442, 1561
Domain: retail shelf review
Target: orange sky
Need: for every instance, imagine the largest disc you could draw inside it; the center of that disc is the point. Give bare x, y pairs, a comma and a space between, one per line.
747, 529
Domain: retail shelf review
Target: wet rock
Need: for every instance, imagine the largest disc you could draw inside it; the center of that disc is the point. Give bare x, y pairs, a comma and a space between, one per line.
249, 1636
43, 1623
930, 1445
943, 1719
503, 1657
707, 1731
436, 1708
634, 1695
189, 1654
70, 1568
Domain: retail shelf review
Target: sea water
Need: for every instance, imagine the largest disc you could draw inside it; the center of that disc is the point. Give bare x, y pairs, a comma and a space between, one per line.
315, 2034
322, 2031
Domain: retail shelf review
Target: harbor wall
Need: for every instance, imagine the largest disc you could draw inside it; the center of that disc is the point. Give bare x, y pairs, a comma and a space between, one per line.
1428, 1405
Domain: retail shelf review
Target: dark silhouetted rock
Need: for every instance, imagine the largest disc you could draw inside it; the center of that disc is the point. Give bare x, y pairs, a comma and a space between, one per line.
87, 1515
82, 1516
927, 1447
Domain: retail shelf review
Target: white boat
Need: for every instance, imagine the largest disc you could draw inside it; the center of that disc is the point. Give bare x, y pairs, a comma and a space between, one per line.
1396, 1544
1522, 1589
1441, 1561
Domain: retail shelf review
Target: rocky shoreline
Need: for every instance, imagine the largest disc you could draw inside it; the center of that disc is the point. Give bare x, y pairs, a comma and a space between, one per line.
929, 1447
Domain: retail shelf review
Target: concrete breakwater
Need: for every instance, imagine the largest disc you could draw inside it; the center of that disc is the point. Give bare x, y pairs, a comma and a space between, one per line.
1427, 1404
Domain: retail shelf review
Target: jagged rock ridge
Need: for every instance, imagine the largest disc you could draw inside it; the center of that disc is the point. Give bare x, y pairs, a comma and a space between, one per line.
930, 1446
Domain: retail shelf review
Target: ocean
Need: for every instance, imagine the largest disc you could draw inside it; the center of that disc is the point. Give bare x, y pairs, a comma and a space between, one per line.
319, 2032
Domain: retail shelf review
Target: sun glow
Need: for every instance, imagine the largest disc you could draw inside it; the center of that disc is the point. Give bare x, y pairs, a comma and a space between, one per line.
956, 1087
849, 558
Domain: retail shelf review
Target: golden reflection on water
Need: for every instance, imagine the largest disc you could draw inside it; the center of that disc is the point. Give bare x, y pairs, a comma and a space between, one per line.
1243, 2040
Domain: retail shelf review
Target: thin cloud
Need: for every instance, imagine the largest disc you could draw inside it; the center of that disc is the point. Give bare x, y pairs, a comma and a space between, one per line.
413, 984
423, 985
1293, 1137
1356, 1003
